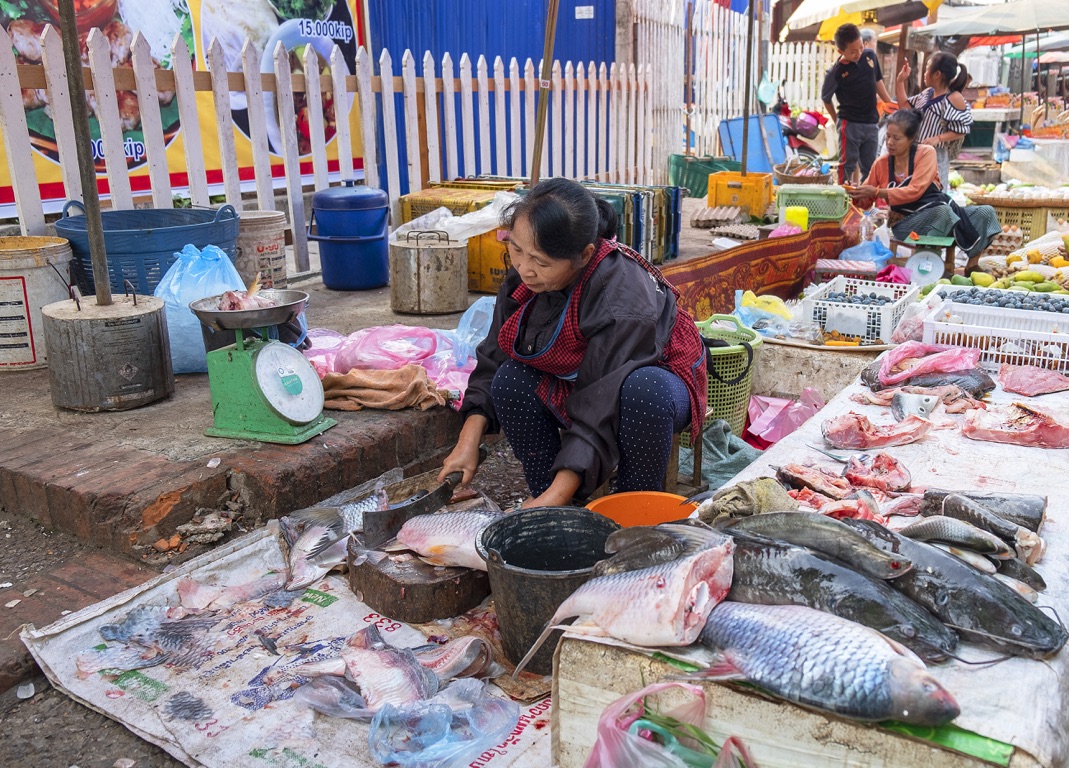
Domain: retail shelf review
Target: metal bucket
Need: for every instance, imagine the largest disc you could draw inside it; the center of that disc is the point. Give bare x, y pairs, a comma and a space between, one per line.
428, 273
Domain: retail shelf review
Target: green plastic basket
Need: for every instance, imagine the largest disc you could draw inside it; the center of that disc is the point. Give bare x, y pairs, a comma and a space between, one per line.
823, 203
692, 173
730, 372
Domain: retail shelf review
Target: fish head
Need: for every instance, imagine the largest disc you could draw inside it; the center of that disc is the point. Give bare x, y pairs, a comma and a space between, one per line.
905, 404
918, 697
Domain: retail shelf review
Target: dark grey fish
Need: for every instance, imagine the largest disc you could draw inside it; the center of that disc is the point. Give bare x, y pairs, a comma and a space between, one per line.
975, 381
772, 573
643, 546
1018, 569
827, 536
980, 608
1026, 510
185, 706
950, 530
820, 660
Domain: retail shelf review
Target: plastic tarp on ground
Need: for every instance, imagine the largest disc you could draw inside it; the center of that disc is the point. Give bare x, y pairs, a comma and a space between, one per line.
231, 706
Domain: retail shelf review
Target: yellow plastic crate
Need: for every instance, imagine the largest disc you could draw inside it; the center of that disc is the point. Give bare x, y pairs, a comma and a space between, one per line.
752, 191
488, 261
457, 200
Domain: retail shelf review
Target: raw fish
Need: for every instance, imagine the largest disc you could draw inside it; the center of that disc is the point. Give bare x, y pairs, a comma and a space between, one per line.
1031, 380
1018, 424
768, 572
914, 358
883, 471
820, 660
386, 675
1026, 510
820, 480
950, 530
852, 430
447, 538
904, 404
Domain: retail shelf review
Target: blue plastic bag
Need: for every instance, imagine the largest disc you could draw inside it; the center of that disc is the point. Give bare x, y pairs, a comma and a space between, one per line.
197, 274
472, 329
868, 250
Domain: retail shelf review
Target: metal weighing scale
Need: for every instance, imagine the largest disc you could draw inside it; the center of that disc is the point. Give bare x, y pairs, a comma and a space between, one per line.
262, 389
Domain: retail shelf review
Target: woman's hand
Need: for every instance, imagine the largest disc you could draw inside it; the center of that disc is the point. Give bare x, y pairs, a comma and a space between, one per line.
560, 492
865, 191
905, 72
464, 457
932, 141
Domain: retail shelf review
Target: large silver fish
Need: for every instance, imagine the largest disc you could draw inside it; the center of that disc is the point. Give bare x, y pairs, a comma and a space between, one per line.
950, 530
820, 660
663, 605
306, 567
447, 538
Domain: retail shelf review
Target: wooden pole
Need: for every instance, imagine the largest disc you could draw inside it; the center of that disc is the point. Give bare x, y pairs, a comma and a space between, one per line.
903, 37
750, 12
688, 81
1020, 117
543, 91
83, 144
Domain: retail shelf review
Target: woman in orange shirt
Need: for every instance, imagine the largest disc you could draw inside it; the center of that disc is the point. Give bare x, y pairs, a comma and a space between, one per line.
907, 180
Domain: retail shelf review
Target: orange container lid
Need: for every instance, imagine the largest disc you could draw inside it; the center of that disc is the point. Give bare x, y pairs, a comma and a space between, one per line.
642, 507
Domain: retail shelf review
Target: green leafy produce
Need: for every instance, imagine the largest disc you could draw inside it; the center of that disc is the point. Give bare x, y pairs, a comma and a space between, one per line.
303, 9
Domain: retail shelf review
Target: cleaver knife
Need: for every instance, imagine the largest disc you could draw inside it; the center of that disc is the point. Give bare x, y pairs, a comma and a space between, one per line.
381, 525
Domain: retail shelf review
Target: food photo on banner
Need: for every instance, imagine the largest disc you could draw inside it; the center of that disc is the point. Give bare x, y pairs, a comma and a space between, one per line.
297, 24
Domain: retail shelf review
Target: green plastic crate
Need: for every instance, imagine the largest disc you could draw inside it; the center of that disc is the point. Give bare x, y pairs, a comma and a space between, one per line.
692, 173
823, 203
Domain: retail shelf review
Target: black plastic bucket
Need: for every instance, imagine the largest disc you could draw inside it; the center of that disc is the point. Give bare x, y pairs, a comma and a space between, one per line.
535, 559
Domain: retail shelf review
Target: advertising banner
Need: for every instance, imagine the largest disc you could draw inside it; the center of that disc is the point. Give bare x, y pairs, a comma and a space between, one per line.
297, 24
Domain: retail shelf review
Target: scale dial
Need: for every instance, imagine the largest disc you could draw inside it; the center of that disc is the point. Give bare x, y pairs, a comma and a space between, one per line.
925, 266
289, 383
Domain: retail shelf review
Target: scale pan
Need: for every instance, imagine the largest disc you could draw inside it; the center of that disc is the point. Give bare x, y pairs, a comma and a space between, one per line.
288, 305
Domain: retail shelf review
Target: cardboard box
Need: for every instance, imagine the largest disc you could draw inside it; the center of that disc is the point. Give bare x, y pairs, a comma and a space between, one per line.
588, 676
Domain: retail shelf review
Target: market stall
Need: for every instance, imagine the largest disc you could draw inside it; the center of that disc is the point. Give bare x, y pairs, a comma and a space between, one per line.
1016, 724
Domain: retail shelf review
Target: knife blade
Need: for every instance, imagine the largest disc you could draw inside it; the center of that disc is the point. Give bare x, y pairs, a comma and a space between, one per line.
381, 525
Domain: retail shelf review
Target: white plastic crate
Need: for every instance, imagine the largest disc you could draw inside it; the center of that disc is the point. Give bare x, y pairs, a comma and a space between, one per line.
871, 323
1014, 336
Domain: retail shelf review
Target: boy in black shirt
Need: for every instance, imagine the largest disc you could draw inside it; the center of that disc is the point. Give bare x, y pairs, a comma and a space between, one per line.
855, 80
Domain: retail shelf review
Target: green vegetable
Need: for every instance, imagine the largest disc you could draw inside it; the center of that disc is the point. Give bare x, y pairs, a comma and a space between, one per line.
303, 9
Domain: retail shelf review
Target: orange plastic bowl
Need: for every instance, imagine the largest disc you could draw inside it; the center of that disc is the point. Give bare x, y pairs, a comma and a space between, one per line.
642, 507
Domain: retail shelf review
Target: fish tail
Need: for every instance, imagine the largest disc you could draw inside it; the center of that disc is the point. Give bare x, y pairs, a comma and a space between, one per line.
534, 648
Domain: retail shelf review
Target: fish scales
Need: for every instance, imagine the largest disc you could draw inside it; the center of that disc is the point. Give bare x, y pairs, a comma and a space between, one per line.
820, 660
770, 573
447, 538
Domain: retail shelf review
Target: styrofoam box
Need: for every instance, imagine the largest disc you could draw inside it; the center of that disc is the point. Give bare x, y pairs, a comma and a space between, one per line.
1003, 335
870, 323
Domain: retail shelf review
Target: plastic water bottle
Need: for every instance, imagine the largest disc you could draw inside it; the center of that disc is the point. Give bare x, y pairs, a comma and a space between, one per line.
867, 230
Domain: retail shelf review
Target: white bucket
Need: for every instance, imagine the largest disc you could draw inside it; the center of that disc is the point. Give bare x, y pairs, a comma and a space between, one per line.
27, 283
261, 247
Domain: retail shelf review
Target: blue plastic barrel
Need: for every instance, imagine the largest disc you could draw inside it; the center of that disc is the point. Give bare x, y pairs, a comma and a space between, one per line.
352, 225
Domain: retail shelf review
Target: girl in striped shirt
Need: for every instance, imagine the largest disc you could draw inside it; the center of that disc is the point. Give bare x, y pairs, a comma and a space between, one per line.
946, 117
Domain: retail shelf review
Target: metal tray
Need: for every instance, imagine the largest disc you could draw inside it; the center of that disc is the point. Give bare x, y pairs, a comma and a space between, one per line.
288, 305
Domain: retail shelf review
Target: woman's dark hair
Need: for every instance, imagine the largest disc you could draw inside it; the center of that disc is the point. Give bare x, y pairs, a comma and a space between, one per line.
565, 217
954, 74
908, 120
845, 35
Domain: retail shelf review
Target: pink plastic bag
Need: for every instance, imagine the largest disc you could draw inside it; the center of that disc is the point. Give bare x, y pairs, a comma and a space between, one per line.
617, 747
925, 358
323, 350
386, 348
894, 274
773, 418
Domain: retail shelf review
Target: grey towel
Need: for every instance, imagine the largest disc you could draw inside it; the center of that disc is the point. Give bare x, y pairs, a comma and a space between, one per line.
723, 455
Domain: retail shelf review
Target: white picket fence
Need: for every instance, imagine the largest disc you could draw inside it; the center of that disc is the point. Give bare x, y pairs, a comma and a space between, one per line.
597, 124
800, 67
660, 30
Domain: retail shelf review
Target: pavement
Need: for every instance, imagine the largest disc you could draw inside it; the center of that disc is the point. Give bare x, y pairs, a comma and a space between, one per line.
143, 484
